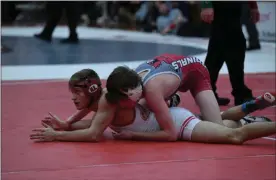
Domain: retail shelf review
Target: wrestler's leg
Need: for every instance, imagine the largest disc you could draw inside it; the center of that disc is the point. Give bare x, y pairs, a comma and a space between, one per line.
232, 124
200, 88
209, 107
227, 123
238, 112
208, 132
234, 113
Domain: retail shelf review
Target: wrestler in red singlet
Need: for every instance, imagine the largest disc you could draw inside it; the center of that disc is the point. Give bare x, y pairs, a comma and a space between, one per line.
193, 74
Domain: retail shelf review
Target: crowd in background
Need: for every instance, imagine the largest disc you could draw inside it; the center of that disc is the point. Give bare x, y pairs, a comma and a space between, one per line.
155, 16
181, 18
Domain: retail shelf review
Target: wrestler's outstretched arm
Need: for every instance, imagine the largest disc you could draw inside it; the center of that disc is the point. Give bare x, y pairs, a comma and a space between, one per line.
100, 122
80, 124
78, 116
58, 124
83, 124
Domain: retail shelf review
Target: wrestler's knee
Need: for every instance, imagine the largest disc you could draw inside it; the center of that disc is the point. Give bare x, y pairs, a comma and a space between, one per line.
236, 136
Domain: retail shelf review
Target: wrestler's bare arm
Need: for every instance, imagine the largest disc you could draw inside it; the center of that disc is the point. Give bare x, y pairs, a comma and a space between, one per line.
82, 124
78, 115
160, 108
100, 122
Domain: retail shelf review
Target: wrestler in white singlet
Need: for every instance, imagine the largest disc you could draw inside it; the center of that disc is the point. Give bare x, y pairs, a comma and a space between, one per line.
184, 120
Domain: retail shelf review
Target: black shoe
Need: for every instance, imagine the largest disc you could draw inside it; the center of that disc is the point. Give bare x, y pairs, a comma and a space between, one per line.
70, 40
43, 37
5, 49
253, 47
239, 101
242, 95
223, 101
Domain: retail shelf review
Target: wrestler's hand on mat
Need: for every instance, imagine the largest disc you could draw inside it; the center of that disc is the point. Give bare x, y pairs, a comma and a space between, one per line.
55, 122
123, 135
46, 134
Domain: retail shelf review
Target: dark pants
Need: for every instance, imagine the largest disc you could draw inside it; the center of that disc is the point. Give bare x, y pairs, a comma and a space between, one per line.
54, 14
227, 44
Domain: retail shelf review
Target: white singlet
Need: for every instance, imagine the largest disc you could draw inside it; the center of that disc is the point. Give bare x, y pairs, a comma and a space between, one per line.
145, 121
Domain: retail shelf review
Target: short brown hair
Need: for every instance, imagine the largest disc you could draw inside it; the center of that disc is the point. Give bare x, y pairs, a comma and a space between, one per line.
83, 75
121, 79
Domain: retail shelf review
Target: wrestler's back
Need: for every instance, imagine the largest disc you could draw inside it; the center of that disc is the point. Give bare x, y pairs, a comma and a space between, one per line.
134, 119
159, 72
158, 66
142, 120
167, 84
167, 71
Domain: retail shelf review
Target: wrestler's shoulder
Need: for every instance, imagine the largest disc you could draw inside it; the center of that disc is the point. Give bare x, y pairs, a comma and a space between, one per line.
103, 103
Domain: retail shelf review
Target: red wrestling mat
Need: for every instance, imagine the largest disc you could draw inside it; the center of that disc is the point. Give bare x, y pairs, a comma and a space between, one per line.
25, 103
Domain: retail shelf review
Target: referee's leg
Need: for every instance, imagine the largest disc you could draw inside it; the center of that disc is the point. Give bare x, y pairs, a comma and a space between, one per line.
235, 63
214, 61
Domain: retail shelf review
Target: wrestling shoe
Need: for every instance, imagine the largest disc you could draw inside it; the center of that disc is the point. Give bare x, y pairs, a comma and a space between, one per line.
266, 100
222, 101
174, 100
253, 119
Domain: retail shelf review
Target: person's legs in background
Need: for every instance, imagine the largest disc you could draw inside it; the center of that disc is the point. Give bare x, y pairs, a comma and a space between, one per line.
141, 14
234, 58
54, 12
5, 49
73, 11
151, 18
215, 59
231, 45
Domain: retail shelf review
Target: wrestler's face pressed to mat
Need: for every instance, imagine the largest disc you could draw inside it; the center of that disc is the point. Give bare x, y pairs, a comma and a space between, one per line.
79, 98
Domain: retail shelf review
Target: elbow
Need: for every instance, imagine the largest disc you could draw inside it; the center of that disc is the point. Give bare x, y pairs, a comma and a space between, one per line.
95, 137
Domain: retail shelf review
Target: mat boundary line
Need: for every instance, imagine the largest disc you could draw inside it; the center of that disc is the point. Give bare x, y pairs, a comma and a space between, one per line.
269, 138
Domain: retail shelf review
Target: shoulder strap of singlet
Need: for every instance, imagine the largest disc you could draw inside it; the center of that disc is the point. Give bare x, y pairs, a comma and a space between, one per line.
147, 71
